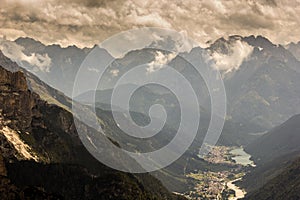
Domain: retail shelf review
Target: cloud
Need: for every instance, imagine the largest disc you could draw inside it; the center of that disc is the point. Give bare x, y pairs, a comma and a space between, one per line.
238, 52
152, 19
154, 38
15, 52
184, 44
87, 22
160, 61
43, 62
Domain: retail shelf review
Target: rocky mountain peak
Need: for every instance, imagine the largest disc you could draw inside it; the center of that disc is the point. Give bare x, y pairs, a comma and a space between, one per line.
258, 41
12, 81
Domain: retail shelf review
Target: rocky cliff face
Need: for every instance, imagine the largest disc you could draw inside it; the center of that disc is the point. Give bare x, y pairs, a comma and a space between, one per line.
15, 99
33, 119
2, 167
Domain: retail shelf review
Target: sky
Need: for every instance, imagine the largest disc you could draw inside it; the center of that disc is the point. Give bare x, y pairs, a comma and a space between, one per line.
85, 23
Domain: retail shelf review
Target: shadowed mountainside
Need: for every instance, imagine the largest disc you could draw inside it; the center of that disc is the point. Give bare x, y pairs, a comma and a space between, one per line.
44, 134
286, 185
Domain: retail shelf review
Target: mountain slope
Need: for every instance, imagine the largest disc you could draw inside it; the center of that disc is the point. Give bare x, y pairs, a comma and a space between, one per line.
273, 153
265, 89
47, 131
294, 49
280, 141
35, 84
284, 186
63, 67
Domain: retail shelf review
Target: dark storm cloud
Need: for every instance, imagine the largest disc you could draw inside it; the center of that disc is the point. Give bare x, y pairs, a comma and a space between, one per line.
251, 21
86, 22
93, 3
271, 2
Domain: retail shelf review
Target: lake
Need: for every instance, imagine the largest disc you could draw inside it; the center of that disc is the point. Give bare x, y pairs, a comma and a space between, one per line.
241, 157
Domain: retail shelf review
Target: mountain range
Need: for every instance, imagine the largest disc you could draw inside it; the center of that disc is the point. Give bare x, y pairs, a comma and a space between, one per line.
257, 88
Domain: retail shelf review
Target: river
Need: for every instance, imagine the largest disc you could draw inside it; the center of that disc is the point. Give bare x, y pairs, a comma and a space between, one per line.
239, 193
242, 158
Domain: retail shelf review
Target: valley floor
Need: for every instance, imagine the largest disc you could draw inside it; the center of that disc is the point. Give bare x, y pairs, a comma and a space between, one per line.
220, 185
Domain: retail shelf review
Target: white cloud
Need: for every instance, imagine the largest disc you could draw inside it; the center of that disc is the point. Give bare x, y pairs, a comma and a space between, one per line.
239, 51
152, 19
160, 61
148, 37
15, 52
43, 62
